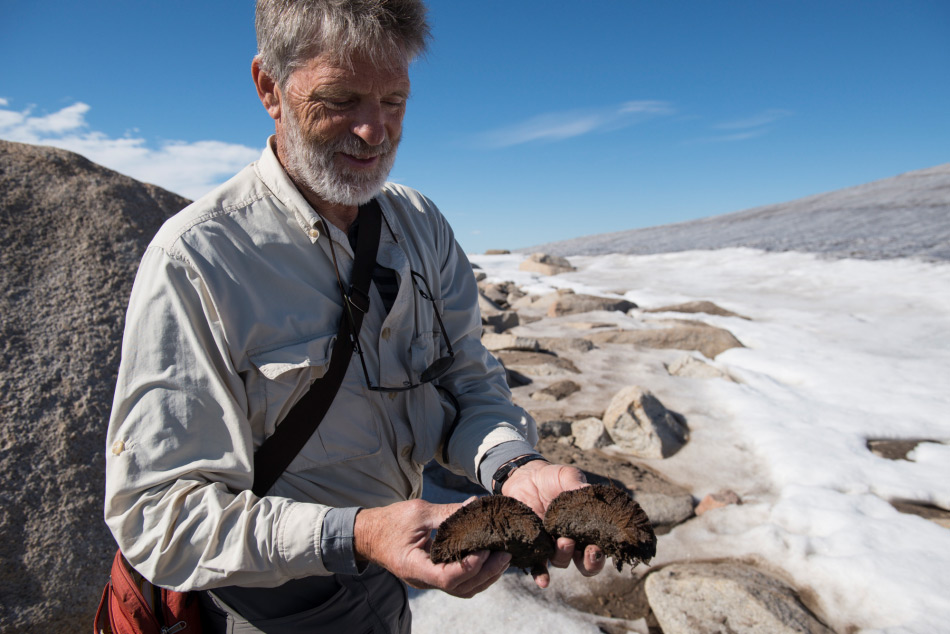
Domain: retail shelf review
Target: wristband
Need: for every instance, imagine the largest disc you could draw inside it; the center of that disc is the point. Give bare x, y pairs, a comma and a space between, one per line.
504, 471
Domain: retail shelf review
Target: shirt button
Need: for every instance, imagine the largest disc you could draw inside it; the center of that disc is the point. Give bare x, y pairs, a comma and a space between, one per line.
406, 451
314, 233
118, 447
392, 396
386, 333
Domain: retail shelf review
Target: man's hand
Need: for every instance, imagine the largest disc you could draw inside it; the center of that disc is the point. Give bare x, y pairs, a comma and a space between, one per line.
396, 537
536, 484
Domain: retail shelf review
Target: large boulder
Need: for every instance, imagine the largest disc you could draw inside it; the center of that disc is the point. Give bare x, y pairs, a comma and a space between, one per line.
711, 598
640, 425
71, 236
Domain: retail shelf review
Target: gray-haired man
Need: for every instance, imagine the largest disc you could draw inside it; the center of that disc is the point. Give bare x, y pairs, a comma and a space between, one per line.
234, 313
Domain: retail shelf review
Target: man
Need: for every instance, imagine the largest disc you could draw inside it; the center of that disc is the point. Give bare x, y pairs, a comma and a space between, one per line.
235, 311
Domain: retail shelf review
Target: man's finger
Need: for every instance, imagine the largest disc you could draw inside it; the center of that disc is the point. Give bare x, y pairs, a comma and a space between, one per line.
563, 553
493, 568
590, 561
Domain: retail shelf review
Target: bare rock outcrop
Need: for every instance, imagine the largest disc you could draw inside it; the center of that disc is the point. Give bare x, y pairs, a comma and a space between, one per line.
710, 598
709, 340
701, 306
546, 264
71, 236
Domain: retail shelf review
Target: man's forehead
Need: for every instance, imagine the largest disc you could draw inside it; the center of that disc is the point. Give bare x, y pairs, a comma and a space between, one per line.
327, 68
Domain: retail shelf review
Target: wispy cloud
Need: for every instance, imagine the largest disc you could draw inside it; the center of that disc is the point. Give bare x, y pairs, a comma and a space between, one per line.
755, 121
189, 169
746, 128
557, 126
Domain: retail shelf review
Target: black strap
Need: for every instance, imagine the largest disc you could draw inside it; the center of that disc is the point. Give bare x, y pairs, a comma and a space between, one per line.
278, 451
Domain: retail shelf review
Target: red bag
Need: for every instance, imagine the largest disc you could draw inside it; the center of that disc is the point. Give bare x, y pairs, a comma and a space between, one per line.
132, 605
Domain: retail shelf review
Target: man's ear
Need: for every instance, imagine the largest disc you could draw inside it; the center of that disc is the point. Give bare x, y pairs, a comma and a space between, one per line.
267, 90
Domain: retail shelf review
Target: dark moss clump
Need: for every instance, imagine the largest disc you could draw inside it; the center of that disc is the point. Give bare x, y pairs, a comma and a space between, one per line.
496, 523
605, 516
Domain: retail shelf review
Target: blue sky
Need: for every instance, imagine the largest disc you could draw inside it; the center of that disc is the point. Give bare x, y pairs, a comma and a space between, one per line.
530, 120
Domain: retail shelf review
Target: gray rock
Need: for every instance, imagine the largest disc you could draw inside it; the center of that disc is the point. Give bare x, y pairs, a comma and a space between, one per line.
689, 367
640, 425
709, 340
487, 307
575, 303
556, 391
590, 433
546, 264
71, 237
713, 598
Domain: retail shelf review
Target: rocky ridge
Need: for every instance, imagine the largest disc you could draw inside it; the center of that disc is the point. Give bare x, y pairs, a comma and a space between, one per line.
71, 236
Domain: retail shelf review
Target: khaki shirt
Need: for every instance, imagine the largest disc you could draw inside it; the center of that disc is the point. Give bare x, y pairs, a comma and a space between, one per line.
234, 311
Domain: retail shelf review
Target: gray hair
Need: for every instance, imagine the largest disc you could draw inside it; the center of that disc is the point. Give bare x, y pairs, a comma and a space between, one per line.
292, 32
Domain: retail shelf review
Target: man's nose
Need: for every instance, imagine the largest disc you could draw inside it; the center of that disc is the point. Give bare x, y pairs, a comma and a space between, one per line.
370, 124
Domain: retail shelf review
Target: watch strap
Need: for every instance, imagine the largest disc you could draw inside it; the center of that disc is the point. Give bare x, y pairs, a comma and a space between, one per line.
504, 471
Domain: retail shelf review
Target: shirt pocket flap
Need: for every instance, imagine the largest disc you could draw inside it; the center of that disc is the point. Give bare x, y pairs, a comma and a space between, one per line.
309, 353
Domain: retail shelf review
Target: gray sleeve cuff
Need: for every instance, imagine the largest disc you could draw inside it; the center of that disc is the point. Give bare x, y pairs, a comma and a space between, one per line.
499, 455
336, 541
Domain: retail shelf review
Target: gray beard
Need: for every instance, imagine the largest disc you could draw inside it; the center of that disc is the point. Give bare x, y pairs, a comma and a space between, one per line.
313, 165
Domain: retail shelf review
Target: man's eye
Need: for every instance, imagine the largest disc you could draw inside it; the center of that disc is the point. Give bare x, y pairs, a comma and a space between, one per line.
338, 104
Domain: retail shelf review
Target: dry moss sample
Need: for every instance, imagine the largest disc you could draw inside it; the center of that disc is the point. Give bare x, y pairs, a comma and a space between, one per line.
496, 523
604, 516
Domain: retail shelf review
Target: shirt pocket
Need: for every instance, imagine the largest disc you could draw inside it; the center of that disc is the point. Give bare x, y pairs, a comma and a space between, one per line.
349, 429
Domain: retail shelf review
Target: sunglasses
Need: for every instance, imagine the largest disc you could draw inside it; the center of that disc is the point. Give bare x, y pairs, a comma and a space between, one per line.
438, 367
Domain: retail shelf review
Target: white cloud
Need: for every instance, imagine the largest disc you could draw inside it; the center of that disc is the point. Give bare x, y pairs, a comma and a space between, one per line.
755, 121
557, 126
189, 169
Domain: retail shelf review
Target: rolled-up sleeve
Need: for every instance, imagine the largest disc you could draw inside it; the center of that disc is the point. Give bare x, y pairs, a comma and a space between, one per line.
179, 453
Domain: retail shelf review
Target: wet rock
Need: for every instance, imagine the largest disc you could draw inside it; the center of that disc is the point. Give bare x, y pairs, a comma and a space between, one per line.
709, 340
590, 433
501, 321
894, 448
706, 307
556, 391
546, 264
607, 517
536, 363
495, 523
665, 503
573, 304
711, 598
589, 325
718, 500
935, 514
554, 429
640, 425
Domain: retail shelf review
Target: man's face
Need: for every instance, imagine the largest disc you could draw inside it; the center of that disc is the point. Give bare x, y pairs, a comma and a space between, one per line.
340, 127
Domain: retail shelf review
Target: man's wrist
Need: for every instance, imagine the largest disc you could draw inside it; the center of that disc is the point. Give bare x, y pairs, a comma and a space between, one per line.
505, 471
